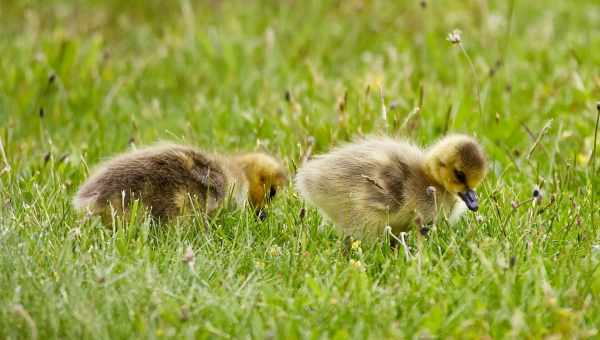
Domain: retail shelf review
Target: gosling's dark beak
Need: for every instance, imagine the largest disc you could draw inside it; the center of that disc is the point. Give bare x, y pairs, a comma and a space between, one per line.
261, 214
470, 199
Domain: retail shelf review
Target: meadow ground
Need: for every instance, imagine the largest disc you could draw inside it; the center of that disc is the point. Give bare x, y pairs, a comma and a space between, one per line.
83, 80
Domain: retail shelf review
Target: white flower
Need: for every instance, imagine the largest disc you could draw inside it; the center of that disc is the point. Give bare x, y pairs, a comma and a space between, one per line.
189, 256
454, 36
275, 250
76, 232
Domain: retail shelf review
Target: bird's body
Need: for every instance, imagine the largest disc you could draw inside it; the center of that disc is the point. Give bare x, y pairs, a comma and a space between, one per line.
377, 182
170, 179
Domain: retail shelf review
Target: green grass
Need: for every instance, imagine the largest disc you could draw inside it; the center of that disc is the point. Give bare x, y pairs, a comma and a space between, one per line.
246, 75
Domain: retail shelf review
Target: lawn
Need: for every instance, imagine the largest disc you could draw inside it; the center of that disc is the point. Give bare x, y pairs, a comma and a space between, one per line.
83, 80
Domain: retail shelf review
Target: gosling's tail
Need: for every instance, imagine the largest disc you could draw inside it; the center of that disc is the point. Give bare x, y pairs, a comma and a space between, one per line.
86, 198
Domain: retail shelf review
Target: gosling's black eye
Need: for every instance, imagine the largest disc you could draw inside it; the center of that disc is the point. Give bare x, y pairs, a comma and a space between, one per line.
272, 192
460, 176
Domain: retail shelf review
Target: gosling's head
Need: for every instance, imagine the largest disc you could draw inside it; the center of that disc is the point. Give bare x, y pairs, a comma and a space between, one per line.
266, 176
458, 163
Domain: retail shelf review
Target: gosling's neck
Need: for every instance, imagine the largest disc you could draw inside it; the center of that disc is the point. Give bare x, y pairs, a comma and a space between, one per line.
429, 166
243, 164
445, 199
240, 183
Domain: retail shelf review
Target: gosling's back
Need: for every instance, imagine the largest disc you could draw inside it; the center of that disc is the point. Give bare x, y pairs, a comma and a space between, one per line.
163, 178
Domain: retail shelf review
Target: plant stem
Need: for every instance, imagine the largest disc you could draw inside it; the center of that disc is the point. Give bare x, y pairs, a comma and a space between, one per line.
593, 162
477, 84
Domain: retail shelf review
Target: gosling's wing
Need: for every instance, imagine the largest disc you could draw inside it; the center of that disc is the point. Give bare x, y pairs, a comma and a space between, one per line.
210, 178
174, 174
392, 177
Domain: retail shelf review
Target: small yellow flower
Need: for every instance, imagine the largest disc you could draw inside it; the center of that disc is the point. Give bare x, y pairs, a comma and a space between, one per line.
259, 265
356, 264
356, 247
582, 159
375, 79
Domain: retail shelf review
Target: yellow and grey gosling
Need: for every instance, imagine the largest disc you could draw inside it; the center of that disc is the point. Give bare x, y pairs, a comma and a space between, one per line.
363, 187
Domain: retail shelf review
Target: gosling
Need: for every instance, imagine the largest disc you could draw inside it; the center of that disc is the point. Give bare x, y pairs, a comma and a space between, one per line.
365, 186
170, 179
